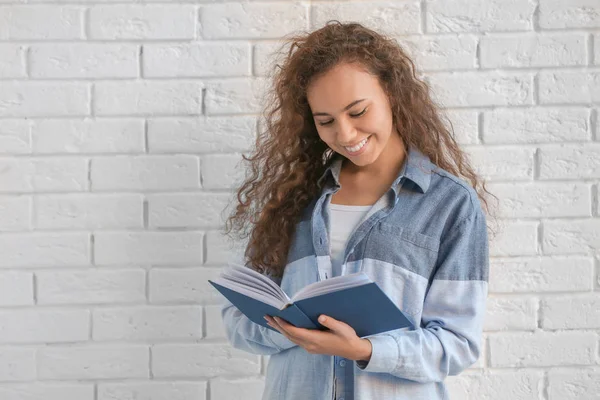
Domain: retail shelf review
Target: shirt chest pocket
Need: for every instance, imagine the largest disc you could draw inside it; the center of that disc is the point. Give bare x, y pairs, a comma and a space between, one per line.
401, 261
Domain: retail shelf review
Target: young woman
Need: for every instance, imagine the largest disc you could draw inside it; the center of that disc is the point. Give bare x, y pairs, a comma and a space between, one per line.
355, 171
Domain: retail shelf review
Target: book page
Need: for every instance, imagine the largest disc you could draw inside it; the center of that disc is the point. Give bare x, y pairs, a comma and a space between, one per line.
253, 284
251, 292
265, 282
252, 281
332, 285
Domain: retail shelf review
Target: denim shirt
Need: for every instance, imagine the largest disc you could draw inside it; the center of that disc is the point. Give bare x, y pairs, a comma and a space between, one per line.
427, 250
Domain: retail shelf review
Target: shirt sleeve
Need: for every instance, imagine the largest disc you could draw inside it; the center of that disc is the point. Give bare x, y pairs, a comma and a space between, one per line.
449, 337
246, 335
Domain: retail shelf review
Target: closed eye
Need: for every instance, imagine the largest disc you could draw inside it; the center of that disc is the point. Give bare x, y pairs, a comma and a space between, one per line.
352, 115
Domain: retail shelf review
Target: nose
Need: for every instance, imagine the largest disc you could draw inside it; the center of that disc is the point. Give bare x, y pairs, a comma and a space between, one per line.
346, 132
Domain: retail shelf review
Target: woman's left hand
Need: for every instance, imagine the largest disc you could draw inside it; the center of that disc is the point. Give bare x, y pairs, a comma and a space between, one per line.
341, 340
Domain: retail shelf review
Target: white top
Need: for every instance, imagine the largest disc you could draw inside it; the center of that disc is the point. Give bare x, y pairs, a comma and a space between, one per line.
343, 221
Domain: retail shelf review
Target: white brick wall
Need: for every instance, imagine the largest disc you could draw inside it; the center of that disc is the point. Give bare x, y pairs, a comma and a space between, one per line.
121, 129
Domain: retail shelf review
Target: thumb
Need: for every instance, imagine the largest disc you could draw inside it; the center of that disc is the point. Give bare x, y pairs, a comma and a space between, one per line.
332, 323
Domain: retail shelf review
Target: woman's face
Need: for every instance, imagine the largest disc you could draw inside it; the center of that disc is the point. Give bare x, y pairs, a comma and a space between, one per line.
349, 106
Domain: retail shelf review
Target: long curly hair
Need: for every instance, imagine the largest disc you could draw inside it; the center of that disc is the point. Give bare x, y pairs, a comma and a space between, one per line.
289, 156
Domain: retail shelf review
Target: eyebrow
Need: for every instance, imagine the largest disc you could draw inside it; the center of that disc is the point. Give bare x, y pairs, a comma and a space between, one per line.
345, 108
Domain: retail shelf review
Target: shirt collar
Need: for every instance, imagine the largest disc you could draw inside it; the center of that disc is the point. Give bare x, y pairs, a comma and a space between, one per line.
416, 168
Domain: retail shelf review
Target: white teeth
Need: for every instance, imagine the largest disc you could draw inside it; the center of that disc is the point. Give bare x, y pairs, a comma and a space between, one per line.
357, 147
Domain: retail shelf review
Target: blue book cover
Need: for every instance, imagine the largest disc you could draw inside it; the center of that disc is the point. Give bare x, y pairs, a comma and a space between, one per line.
362, 305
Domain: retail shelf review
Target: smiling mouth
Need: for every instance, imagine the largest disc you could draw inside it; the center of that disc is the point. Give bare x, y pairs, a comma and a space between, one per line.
357, 147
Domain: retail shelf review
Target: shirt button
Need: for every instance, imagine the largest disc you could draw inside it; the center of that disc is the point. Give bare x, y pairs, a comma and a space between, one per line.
342, 364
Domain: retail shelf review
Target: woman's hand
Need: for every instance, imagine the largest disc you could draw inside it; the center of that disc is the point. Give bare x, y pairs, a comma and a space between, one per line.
341, 340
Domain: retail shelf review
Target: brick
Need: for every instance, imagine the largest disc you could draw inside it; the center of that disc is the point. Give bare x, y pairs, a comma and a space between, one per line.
233, 389
542, 349
147, 323
251, 21
467, 16
497, 384
145, 173
222, 249
199, 210
533, 50
572, 236
597, 284
582, 384
12, 60
91, 286
90, 211
480, 89
571, 312
570, 161
235, 96
172, 248
396, 18
41, 22
153, 390
47, 391
510, 314
202, 360
557, 14
536, 125
596, 123
201, 136
539, 200
16, 364
222, 171
44, 250
188, 285
93, 362
596, 40
438, 53
43, 99
215, 329
148, 98
98, 135
506, 163
196, 60
578, 87
541, 274
84, 60
44, 326
15, 136
514, 238
16, 288
142, 21
43, 174
596, 207
15, 213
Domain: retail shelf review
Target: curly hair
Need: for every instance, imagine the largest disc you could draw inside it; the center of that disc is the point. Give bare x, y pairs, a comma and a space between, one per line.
289, 156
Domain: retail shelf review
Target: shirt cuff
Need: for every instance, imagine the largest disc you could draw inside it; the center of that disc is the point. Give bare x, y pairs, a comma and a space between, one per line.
384, 355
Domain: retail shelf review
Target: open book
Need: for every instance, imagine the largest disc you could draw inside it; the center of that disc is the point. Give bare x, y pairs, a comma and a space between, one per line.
354, 299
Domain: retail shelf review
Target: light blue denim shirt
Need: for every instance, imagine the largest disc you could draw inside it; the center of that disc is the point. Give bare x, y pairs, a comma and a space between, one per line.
428, 251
